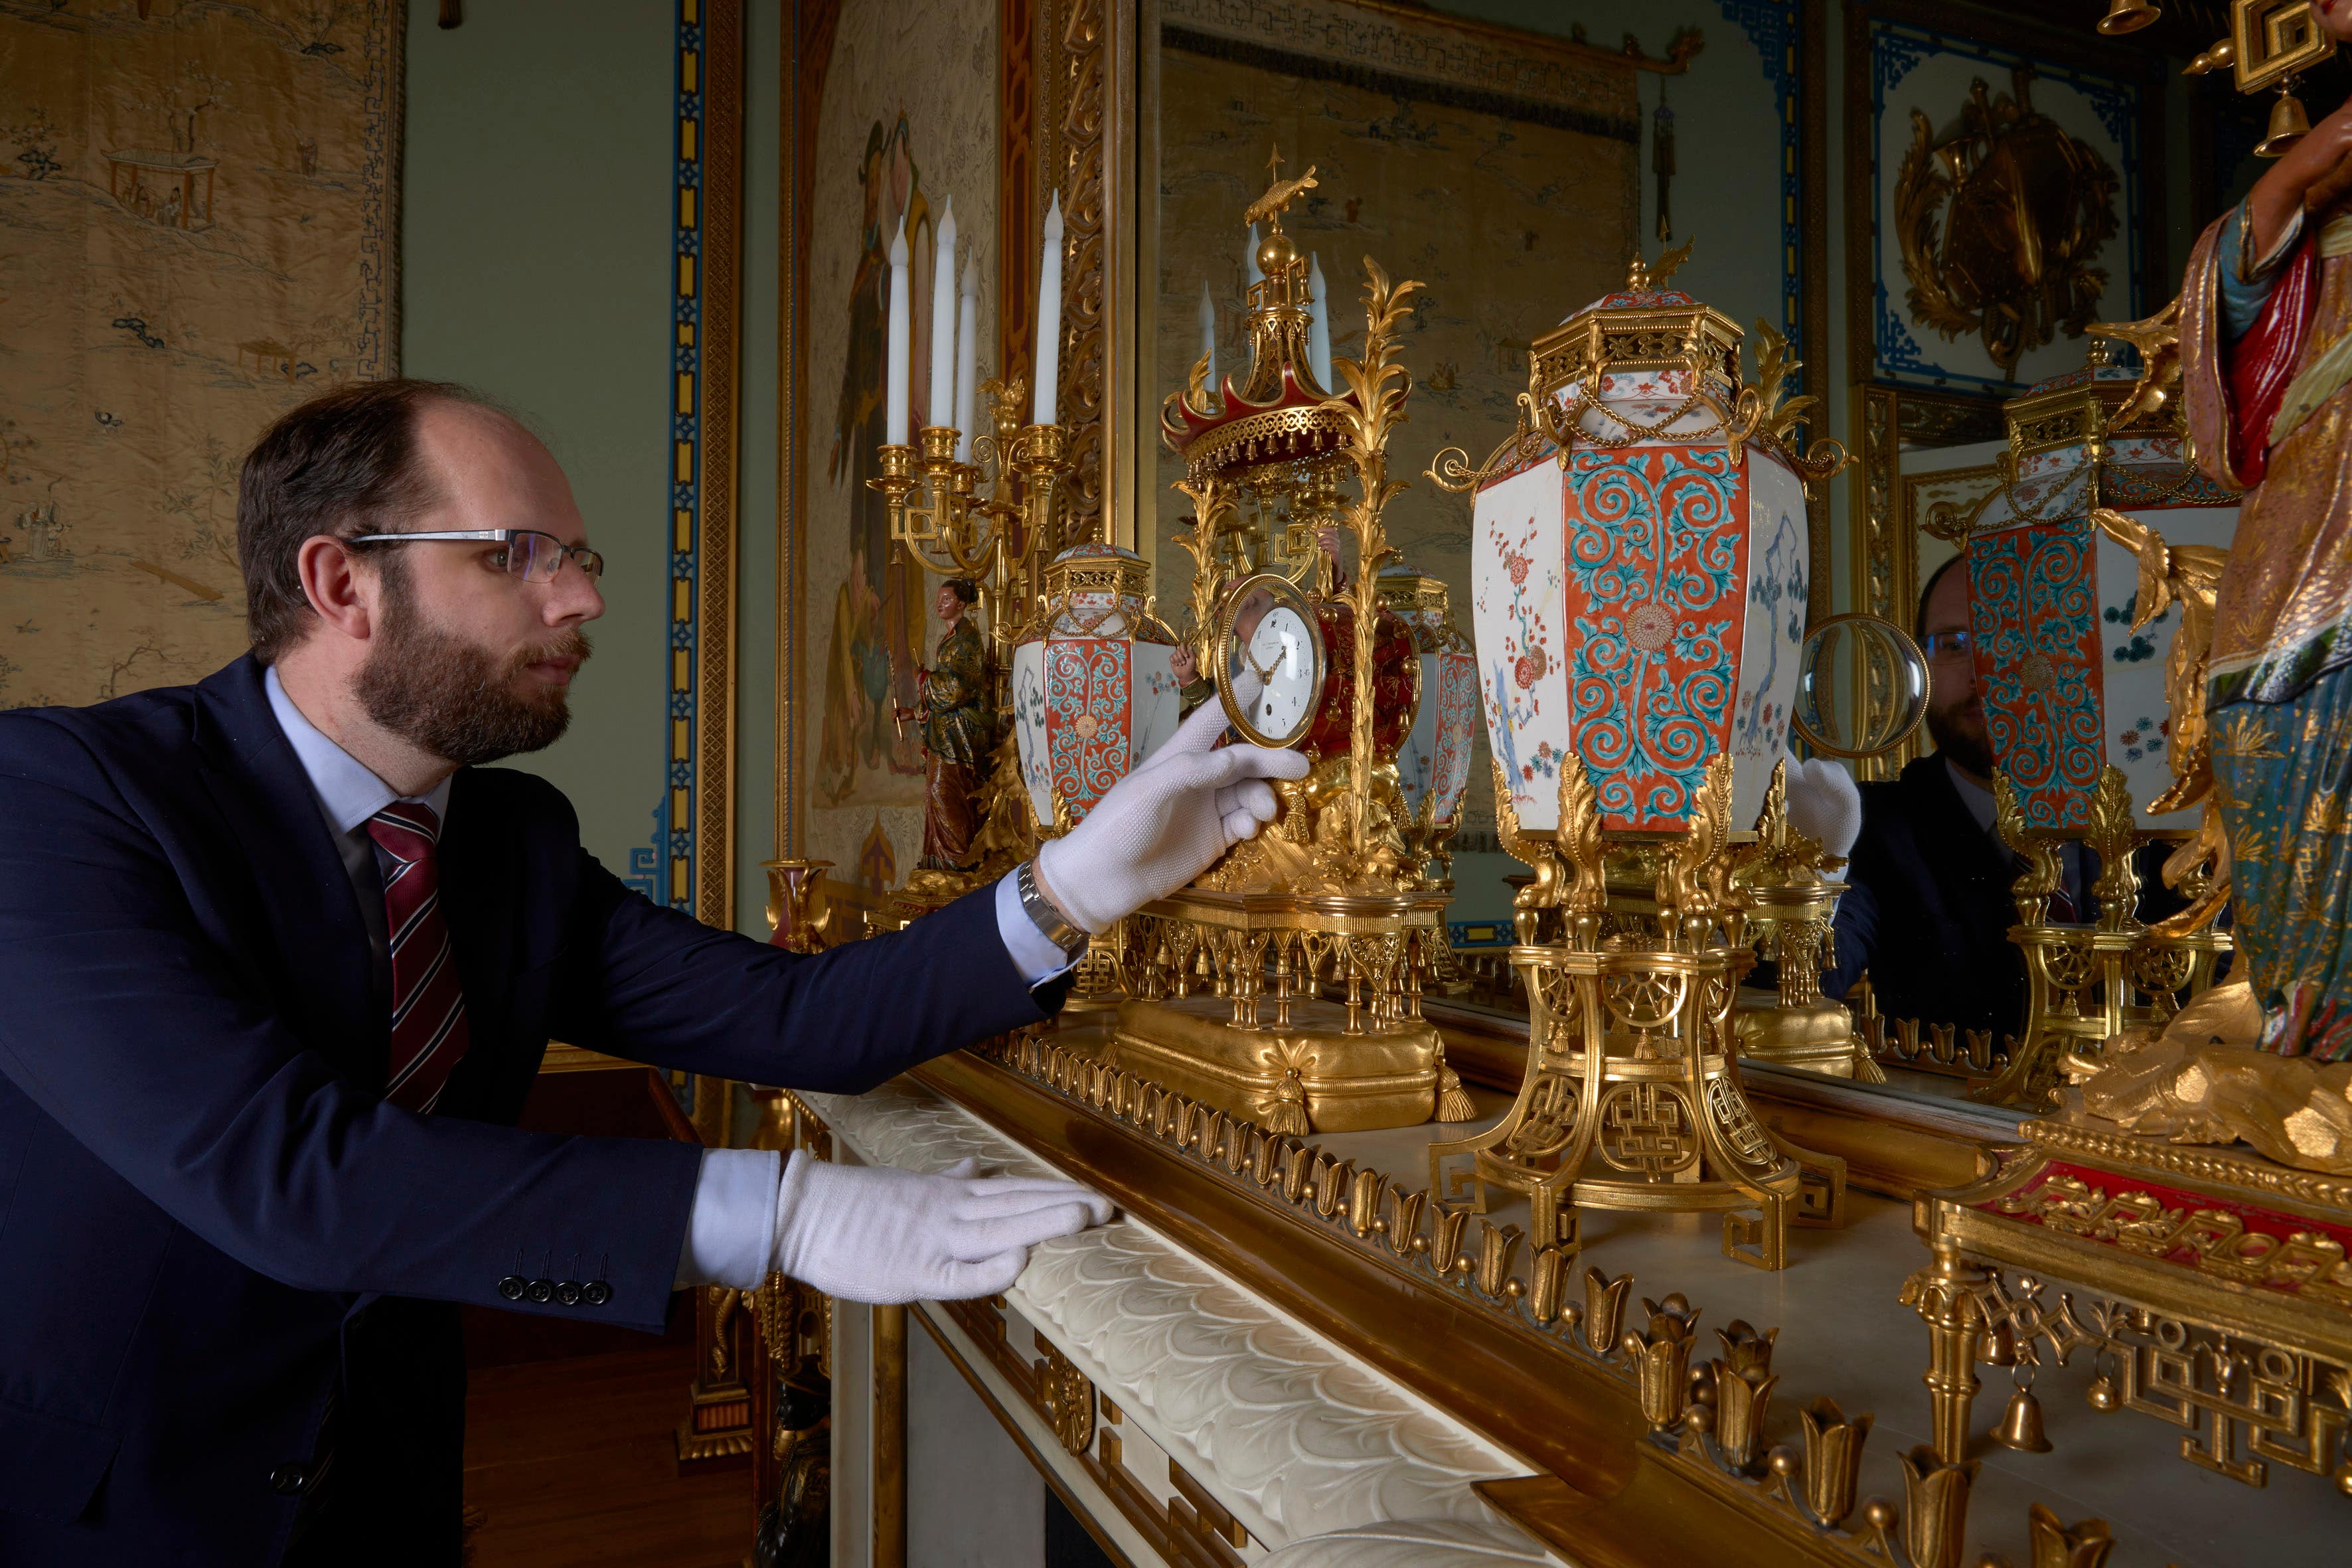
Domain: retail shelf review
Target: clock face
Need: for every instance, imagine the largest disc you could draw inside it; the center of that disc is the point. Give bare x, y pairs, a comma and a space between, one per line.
1280, 655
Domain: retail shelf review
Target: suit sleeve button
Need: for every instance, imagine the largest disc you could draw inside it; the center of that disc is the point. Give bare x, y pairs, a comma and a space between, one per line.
511, 1287
288, 1480
541, 1291
568, 1292
595, 1293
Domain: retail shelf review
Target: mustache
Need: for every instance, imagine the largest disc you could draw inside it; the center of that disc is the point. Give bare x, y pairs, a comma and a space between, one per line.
571, 644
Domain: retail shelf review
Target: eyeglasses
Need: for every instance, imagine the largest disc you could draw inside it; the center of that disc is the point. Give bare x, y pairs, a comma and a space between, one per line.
1940, 647
533, 557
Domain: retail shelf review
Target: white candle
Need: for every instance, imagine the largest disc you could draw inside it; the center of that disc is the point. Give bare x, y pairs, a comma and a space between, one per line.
1049, 317
894, 406
1208, 333
967, 357
1318, 325
943, 328
1251, 276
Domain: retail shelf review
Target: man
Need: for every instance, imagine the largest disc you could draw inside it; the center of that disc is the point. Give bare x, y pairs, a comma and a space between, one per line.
1929, 909
956, 738
281, 958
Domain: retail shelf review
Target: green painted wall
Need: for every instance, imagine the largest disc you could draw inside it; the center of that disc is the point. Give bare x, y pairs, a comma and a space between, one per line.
535, 266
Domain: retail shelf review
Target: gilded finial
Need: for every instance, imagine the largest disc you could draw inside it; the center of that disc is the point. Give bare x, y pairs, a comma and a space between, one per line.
1280, 192
1642, 278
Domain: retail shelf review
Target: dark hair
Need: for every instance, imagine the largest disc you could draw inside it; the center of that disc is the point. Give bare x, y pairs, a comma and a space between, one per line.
965, 589
1928, 590
342, 464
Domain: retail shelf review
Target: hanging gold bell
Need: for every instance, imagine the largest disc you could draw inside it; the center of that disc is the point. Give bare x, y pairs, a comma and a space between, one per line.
2129, 16
2102, 1393
2020, 1424
2289, 124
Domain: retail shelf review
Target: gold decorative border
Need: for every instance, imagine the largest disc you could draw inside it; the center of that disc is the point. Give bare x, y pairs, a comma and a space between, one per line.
1813, 276
1086, 128
722, 359
691, 866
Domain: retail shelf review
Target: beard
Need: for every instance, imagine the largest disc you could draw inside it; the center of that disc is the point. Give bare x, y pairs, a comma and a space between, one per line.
1958, 732
457, 699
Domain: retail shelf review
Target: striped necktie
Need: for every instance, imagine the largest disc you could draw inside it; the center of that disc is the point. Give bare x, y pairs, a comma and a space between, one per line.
428, 1010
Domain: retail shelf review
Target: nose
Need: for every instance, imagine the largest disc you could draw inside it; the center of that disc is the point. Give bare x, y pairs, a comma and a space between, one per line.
572, 596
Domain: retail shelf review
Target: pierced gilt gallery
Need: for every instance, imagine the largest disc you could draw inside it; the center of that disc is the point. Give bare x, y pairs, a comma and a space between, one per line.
1176, 784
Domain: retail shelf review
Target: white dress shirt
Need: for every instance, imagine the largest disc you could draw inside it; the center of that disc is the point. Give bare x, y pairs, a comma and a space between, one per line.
731, 1228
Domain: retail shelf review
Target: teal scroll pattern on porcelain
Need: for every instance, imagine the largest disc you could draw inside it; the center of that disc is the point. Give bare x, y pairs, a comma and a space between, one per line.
2034, 608
1657, 540
1088, 687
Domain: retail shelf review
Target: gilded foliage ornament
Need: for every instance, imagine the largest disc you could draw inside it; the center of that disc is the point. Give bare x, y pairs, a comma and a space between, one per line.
2023, 207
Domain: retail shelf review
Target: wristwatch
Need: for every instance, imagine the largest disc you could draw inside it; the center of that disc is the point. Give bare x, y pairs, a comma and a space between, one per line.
1040, 909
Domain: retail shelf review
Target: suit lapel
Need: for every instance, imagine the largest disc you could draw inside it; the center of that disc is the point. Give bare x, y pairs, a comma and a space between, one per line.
323, 980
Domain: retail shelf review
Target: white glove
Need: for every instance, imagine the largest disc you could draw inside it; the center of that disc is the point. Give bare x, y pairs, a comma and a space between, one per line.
1164, 823
875, 1232
1823, 803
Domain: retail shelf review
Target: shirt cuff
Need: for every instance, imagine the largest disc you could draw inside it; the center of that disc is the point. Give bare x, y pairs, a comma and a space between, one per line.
1035, 959
731, 1232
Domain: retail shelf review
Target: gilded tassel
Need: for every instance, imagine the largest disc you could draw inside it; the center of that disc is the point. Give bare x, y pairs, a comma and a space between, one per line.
1452, 1100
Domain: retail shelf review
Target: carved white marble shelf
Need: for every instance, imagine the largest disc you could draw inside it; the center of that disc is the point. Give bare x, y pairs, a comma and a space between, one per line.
1320, 1458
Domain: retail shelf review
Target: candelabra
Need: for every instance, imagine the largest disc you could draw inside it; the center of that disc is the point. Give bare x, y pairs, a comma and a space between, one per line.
985, 519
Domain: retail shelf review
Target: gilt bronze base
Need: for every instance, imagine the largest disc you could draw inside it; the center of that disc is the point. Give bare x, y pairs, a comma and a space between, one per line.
1310, 1067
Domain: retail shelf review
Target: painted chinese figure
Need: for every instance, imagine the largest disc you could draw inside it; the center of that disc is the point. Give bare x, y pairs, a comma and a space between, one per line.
957, 731
2266, 362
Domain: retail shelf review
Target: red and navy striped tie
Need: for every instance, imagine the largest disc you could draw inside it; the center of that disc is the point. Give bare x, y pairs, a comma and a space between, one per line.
428, 1010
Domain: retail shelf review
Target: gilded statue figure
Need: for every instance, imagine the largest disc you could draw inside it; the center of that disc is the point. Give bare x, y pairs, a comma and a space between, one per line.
2266, 365
957, 727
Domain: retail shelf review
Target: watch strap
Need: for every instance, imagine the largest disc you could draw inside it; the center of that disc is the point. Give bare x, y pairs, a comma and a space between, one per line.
1047, 919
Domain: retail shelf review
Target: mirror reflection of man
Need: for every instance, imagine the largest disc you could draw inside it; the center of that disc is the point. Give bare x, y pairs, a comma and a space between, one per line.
1929, 909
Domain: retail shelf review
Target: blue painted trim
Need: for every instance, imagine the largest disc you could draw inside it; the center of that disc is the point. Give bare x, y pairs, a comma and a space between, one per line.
1777, 28
1895, 50
665, 871
1469, 936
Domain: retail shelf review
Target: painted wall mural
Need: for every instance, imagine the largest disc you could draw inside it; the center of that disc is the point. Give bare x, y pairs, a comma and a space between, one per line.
203, 201
882, 151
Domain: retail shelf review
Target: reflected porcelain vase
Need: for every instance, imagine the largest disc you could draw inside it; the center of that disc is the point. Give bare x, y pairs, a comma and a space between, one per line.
2068, 687
1094, 682
1435, 755
1643, 601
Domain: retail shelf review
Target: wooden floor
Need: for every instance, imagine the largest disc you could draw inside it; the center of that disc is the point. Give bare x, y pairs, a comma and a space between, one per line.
573, 1463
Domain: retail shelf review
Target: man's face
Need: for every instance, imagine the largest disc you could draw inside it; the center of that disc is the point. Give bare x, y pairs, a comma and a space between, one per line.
1955, 711
948, 605
472, 663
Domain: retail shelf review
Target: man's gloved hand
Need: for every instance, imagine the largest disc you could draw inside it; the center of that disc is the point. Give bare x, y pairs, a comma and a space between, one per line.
875, 1232
1823, 803
1164, 823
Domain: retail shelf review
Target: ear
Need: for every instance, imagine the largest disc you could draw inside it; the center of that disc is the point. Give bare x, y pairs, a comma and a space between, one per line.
343, 594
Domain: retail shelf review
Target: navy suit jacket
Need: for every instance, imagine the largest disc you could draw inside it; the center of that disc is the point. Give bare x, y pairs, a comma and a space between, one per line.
200, 1191
1927, 909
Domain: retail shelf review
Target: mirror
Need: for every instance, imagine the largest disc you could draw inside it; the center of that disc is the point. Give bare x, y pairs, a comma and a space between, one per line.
1270, 664
1847, 654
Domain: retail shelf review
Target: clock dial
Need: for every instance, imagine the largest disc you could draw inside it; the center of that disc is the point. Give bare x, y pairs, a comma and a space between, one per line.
1271, 661
1284, 665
